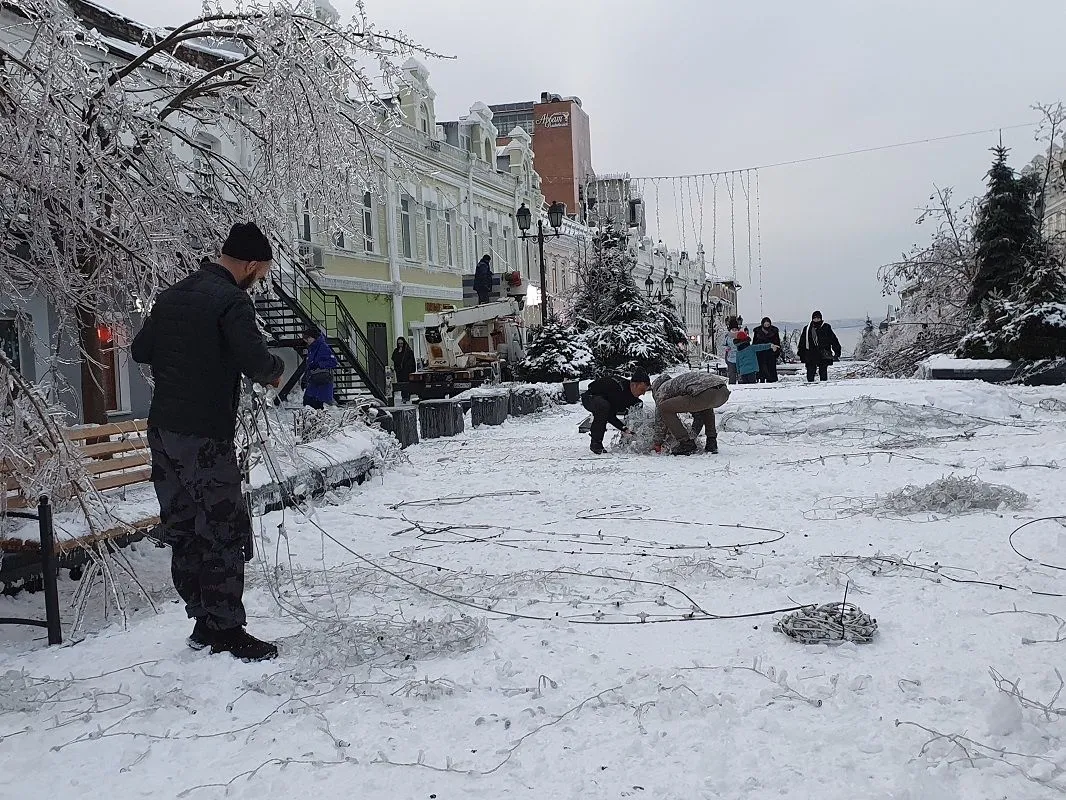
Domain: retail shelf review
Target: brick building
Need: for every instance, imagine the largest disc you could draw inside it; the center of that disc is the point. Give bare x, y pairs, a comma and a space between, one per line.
562, 146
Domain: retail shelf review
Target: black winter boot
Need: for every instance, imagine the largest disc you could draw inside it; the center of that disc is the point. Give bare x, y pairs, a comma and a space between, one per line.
241, 644
200, 636
597, 448
685, 448
712, 446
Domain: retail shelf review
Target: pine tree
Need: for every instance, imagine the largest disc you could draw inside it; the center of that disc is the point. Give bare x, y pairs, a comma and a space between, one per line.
1007, 232
622, 328
1020, 283
557, 353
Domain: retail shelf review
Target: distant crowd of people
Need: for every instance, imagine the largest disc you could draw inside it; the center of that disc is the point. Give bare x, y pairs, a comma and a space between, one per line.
752, 358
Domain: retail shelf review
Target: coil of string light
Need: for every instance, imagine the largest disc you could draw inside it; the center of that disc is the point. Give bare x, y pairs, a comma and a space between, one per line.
831, 622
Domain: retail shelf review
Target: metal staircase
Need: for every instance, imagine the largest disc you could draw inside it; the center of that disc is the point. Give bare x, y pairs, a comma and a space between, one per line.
296, 302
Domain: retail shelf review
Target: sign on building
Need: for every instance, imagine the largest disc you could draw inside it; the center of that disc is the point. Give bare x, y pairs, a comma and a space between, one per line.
559, 119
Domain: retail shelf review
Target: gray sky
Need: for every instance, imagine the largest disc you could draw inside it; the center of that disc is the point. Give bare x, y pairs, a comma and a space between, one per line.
686, 86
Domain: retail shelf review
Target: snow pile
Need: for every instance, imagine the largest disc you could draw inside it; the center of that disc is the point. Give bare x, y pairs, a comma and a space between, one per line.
945, 361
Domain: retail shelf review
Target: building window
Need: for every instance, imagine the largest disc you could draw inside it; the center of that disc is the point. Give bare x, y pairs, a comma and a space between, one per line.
478, 249
406, 237
450, 231
114, 368
492, 242
205, 147
431, 235
506, 250
368, 222
305, 227
489, 152
9, 342
425, 119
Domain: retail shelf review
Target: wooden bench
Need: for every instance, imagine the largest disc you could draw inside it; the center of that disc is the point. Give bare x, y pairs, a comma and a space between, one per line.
115, 456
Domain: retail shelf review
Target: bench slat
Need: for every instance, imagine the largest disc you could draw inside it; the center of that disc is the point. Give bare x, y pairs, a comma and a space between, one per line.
122, 479
110, 429
111, 448
101, 466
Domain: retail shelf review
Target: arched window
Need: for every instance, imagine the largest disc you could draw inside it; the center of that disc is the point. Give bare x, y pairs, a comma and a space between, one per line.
489, 152
425, 119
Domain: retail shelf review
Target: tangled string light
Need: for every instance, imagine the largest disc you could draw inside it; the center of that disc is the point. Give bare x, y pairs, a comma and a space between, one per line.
828, 623
945, 497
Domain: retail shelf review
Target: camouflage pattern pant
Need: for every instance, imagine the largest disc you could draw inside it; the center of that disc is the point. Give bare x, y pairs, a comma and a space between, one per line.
205, 521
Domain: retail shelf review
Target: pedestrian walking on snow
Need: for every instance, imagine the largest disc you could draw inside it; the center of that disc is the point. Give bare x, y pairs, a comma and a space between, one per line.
767, 333
319, 364
748, 356
199, 338
608, 397
695, 393
818, 347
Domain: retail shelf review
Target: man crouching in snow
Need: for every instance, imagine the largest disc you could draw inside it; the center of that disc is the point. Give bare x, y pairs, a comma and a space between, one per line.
608, 397
696, 393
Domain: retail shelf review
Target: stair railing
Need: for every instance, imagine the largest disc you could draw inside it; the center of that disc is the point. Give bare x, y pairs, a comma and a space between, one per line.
326, 310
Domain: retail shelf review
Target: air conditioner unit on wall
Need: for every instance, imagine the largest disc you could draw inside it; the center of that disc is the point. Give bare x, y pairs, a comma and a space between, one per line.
311, 256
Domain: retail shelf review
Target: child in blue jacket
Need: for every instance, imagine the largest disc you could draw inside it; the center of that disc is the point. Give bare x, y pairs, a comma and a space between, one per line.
747, 356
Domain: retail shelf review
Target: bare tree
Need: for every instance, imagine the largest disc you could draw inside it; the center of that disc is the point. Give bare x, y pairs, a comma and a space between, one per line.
126, 151
933, 282
1052, 124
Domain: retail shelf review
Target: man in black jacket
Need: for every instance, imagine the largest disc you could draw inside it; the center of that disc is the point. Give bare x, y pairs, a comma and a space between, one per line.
199, 338
608, 397
818, 347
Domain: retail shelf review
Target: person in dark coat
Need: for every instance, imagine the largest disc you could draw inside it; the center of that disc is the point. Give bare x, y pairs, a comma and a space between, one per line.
608, 397
767, 333
320, 362
483, 279
818, 347
199, 339
403, 363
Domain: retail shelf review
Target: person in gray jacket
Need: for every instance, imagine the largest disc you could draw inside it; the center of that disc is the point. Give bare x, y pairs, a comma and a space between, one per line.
695, 393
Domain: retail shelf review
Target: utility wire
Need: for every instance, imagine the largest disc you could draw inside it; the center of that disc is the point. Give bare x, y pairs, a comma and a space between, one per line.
844, 153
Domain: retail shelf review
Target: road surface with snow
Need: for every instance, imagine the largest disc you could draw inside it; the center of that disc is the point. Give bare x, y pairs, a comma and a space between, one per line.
566, 625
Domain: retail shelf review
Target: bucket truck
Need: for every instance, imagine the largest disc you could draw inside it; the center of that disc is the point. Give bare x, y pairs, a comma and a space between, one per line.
468, 347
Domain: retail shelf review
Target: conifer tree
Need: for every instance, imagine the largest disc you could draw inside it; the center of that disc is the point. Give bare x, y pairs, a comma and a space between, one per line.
557, 353
622, 328
1007, 231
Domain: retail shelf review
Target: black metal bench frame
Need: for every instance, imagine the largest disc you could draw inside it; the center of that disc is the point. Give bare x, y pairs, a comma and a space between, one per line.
50, 570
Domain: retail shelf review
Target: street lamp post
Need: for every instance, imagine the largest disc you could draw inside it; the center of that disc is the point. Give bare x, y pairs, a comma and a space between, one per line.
556, 212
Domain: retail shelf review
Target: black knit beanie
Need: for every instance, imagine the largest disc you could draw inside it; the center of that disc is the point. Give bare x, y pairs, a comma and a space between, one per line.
816, 314
247, 243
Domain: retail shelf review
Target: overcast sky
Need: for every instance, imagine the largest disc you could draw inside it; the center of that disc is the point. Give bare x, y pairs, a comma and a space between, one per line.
676, 87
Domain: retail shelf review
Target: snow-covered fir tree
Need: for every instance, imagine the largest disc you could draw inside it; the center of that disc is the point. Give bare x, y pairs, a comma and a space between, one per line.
1020, 282
622, 328
1007, 231
557, 353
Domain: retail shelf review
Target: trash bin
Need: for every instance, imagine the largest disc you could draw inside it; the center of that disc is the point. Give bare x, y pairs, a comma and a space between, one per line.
571, 392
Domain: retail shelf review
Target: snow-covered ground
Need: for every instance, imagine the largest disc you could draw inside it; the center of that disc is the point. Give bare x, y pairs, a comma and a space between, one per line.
572, 626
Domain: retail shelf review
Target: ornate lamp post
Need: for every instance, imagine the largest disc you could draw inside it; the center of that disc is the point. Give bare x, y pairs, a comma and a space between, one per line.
556, 212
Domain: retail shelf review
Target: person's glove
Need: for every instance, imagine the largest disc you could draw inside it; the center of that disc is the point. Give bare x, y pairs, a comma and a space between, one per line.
657, 447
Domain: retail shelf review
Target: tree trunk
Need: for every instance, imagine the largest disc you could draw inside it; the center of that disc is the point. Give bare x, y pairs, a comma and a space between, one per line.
440, 418
93, 395
489, 409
